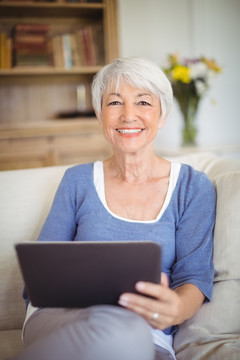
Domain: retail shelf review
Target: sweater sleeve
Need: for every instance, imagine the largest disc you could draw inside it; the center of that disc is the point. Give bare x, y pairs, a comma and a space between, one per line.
60, 224
194, 235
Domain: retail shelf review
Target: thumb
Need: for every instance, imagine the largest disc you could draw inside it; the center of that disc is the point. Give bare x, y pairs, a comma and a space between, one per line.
164, 280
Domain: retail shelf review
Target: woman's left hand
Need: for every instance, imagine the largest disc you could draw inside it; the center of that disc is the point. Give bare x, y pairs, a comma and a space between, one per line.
162, 310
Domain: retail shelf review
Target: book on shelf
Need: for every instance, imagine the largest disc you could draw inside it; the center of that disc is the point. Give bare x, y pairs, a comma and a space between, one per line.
31, 45
67, 51
5, 51
83, 47
77, 56
32, 28
36, 45
93, 44
57, 51
89, 46
98, 41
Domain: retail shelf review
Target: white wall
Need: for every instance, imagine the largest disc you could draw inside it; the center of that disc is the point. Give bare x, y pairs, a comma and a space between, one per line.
155, 28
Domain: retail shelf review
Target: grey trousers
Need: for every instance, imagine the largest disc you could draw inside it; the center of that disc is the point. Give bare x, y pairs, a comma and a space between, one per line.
96, 333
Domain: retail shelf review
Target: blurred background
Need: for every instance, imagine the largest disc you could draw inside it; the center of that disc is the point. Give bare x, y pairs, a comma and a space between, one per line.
192, 28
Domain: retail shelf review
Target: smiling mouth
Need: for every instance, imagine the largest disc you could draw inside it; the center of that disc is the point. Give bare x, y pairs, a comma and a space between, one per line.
129, 131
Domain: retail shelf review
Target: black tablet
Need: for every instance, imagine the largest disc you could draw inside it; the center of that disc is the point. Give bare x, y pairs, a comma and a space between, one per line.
81, 274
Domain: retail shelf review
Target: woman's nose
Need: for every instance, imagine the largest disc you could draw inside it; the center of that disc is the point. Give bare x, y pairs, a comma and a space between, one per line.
128, 113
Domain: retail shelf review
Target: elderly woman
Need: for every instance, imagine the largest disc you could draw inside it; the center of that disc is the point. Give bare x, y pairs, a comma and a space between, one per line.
134, 195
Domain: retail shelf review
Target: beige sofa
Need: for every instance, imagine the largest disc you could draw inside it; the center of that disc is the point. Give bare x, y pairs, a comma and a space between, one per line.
213, 333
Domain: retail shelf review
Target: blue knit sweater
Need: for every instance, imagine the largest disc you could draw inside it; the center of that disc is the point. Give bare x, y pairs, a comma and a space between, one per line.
184, 230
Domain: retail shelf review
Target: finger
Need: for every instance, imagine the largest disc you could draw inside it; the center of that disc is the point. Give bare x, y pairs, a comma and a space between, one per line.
134, 300
144, 307
164, 280
158, 321
157, 291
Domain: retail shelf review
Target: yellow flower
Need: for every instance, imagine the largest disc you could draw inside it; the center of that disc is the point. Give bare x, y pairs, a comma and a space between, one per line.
212, 65
181, 73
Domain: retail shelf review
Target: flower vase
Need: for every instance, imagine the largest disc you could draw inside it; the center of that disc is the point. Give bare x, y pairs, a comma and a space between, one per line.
189, 110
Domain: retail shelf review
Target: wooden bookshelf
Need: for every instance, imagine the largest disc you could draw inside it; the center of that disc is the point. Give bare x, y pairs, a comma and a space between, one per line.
51, 9
52, 143
32, 97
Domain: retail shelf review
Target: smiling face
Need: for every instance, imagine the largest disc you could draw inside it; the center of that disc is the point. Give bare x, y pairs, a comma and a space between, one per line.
130, 117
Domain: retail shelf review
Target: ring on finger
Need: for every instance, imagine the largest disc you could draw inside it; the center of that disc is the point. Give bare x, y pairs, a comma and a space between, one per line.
154, 316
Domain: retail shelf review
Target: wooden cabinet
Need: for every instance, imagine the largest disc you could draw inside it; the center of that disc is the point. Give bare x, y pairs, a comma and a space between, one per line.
32, 98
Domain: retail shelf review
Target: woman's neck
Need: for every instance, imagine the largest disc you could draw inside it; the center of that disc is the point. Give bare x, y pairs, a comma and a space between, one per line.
133, 168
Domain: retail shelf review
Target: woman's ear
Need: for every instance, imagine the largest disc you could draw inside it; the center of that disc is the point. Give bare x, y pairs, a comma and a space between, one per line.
98, 116
100, 121
162, 122
161, 119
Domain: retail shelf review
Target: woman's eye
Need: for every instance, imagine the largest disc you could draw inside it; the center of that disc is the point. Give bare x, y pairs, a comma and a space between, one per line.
114, 103
145, 103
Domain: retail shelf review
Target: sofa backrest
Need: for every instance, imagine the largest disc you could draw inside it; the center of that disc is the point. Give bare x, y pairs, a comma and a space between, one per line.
25, 199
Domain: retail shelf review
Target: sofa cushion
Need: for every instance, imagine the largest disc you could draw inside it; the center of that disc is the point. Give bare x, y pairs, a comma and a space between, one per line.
25, 198
209, 163
10, 343
216, 326
227, 230
213, 333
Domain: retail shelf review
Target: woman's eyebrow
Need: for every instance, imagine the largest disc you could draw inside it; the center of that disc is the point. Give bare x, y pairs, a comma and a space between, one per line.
138, 95
144, 94
114, 94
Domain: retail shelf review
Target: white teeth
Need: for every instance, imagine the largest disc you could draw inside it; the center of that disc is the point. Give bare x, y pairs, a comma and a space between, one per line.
129, 131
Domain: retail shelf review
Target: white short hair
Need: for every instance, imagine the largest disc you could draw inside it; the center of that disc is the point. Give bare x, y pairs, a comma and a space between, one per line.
138, 72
